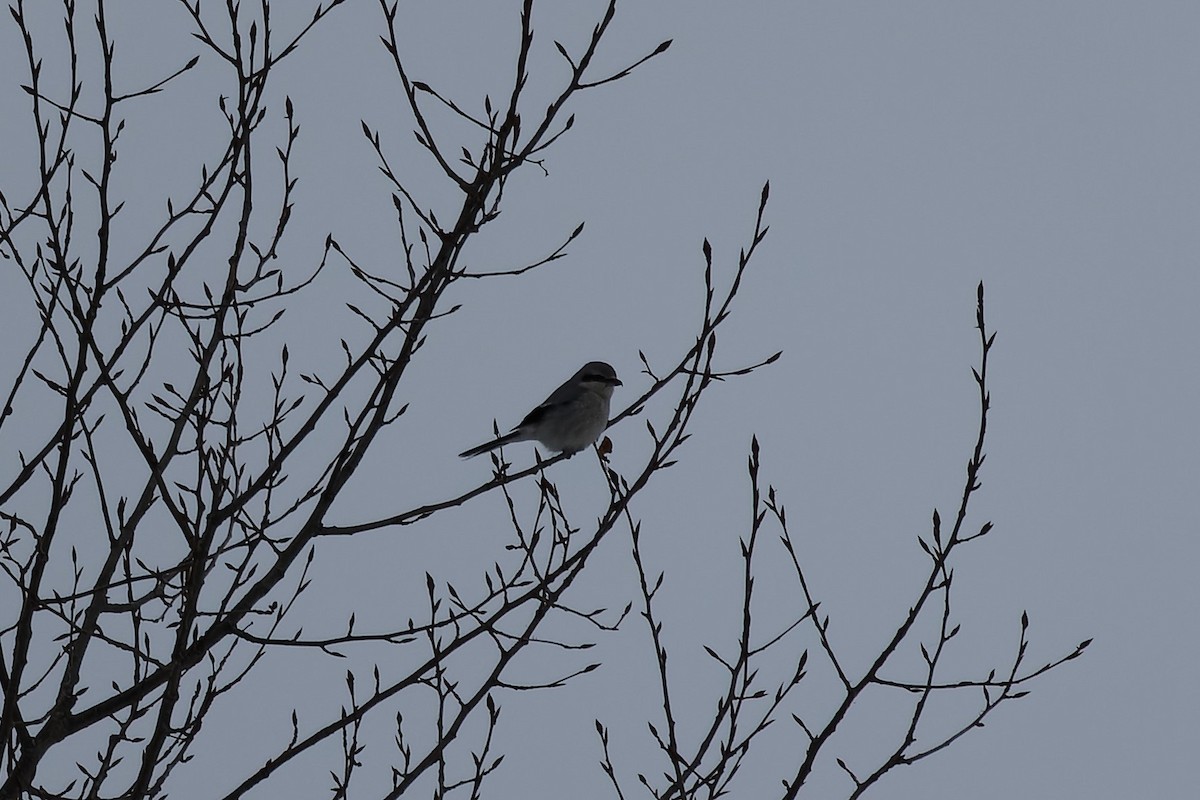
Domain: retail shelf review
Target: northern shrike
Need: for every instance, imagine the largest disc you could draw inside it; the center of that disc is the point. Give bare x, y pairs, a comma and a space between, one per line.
568, 420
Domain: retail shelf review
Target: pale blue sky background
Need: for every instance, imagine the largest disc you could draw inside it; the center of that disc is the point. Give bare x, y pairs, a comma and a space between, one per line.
914, 149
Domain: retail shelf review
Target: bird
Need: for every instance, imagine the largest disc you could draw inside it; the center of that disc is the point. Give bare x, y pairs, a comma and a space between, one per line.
570, 419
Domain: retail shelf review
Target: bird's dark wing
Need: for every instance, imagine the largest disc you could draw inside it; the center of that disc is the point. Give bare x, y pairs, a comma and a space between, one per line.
537, 415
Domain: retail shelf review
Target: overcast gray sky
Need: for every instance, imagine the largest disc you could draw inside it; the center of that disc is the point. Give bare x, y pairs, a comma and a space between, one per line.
914, 149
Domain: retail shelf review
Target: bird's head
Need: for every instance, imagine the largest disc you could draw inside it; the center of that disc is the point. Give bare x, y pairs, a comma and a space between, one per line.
598, 377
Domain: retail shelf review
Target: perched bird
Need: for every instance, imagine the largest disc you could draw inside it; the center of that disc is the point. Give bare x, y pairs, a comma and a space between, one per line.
570, 419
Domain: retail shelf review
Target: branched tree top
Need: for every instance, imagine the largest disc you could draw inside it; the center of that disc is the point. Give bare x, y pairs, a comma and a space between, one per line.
160, 510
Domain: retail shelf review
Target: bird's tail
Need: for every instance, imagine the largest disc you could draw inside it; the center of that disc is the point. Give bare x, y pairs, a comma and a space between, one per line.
508, 438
